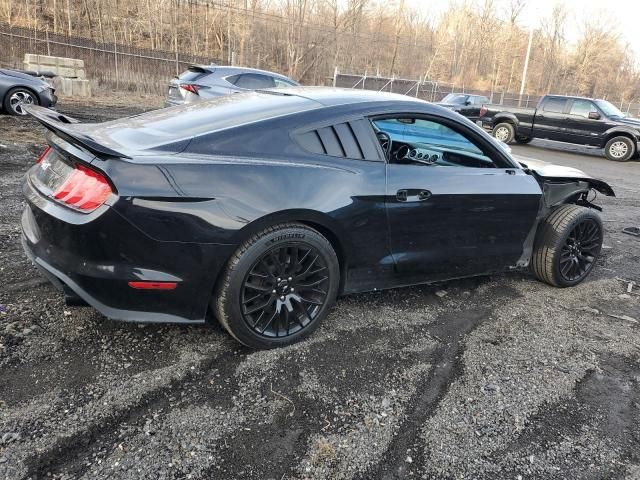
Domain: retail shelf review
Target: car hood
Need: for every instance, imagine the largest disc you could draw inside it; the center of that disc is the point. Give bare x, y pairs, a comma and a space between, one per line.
21, 76
550, 172
633, 122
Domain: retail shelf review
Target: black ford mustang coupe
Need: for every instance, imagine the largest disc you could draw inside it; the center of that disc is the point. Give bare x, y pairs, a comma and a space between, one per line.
261, 208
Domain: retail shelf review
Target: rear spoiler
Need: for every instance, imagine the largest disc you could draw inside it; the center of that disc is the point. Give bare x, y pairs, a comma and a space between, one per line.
62, 126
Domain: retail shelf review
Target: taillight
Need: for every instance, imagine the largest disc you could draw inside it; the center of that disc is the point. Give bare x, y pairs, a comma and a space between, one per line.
190, 87
44, 154
84, 189
483, 111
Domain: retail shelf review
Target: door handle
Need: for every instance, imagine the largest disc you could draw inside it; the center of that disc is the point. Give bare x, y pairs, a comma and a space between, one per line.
413, 195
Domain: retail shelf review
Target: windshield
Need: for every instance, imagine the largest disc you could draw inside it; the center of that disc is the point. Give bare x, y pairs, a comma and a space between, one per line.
455, 98
608, 109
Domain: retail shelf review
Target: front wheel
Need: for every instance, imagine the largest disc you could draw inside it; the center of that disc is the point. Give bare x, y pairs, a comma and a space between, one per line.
505, 132
278, 286
620, 149
17, 98
568, 243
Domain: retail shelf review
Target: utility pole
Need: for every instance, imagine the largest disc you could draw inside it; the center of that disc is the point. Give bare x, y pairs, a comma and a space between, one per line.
526, 66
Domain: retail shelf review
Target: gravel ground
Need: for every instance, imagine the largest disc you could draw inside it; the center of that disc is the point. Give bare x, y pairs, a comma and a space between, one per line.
494, 377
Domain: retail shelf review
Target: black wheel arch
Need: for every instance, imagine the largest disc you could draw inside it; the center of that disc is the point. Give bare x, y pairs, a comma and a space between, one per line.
630, 134
505, 117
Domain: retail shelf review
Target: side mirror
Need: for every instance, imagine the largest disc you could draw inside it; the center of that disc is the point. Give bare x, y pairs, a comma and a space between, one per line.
468, 102
594, 116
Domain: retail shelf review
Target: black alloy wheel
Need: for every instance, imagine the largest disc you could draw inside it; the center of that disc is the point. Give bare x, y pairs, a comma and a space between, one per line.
580, 250
278, 286
567, 245
285, 290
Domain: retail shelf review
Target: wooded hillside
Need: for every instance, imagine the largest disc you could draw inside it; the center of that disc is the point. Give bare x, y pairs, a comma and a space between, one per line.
476, 43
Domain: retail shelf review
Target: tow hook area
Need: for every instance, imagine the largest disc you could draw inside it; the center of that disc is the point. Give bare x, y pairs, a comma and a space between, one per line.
72, 299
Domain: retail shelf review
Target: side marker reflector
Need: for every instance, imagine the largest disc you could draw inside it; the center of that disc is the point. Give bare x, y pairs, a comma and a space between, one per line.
153, 285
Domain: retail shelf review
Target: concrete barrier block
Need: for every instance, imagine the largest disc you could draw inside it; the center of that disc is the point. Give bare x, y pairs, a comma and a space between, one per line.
61, 65
66, 72
63, 86
30, 58
81, 88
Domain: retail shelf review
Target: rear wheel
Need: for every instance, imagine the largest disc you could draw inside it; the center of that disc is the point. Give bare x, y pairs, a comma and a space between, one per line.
620, 149
567, 245
504, 132
16, 98
278, 286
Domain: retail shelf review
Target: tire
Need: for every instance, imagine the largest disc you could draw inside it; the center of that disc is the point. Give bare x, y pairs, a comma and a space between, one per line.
16, 97
504, 132
620, 149
567, 245
263, 300
523, 140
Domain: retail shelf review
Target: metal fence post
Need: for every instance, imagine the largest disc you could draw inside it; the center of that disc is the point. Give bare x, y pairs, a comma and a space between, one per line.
115, 58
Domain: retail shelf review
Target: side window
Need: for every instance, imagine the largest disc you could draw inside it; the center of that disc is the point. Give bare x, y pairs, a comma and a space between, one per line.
429, 143
232, 79
582, 108
283, 83
482, 100
554, 105
254, 81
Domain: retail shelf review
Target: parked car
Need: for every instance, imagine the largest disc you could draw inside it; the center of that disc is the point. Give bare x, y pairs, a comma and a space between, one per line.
577, 120
202, 82
18, 89
465, 104
263, 207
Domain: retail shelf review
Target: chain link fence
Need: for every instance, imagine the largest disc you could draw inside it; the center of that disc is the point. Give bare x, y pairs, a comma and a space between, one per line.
434, 91
112, 65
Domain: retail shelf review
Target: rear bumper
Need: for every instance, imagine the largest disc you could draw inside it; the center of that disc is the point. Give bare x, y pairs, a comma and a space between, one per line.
96, 255
59, 280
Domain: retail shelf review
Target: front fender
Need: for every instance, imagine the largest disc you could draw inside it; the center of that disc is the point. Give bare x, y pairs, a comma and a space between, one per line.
620, 130
505, 116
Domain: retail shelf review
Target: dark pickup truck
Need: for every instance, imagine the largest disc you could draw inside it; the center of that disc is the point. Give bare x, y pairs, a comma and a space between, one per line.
577, 120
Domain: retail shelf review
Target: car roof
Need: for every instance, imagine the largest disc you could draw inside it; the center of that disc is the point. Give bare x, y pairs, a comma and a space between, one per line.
572, 97
183, 122
329, 96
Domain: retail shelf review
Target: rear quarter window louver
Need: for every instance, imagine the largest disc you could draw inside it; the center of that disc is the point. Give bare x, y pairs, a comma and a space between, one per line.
345, 140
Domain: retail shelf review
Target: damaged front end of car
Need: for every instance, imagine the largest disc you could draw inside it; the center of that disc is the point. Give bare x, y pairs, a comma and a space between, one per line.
560, 186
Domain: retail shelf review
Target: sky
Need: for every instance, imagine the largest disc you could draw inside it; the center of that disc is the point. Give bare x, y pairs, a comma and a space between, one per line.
622, 15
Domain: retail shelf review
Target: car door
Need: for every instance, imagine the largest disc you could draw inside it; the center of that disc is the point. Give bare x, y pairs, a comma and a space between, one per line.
550, 119
452, 209
472, 108
580, 128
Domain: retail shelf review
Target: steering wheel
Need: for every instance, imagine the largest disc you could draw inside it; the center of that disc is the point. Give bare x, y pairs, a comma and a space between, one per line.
402, 153
385, 142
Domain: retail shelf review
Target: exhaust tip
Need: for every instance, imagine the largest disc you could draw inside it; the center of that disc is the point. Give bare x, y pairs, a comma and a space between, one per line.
72, 299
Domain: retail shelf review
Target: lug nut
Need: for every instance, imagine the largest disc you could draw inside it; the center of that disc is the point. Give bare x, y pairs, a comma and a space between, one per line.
289, 278
273, 291
282, 298
292, 289
279, 279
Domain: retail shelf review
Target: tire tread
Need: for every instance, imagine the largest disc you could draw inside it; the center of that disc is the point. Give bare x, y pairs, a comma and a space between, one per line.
223, 287
548, 241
